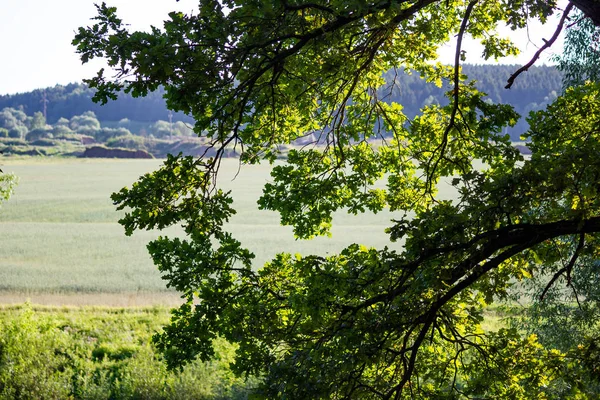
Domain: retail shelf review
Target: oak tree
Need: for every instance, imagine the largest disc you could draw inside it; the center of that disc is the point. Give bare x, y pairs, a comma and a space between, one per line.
364, 323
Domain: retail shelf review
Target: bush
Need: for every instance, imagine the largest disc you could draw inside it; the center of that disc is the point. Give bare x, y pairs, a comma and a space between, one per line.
102, 354
32, 363
37, 134
43, 142
106, 134
74, 137
13, 142
128, 142
17, 132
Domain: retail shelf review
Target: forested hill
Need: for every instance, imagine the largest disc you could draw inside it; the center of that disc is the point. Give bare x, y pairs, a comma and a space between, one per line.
531, 91
76, 98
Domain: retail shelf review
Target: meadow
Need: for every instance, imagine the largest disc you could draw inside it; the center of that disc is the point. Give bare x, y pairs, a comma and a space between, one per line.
61, 243
62, 247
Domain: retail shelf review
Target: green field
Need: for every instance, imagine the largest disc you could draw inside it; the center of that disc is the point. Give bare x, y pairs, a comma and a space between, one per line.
61, 242
62, 245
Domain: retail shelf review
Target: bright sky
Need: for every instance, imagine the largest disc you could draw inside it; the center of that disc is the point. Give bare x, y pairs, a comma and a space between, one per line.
35, 38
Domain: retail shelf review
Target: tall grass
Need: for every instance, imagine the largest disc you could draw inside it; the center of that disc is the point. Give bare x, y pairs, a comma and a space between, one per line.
102, 353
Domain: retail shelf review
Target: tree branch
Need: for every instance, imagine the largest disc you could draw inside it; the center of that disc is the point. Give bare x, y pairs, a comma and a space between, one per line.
546, 45
567, 268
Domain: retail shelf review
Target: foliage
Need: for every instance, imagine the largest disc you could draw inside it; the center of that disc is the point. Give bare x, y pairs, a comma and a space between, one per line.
50, 353
67, 101
14, 121
37, 134
106, 134
364, 323
580, 59
38, 121
531, 92
86, 123
566, 316
7, 184
127, 141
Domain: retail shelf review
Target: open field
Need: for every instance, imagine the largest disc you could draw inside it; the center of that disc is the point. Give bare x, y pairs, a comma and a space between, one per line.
61, 243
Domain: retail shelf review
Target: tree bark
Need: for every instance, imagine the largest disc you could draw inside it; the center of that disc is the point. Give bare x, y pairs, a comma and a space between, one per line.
591, 9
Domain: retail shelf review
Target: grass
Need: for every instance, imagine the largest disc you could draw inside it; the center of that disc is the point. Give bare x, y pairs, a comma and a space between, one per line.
102, 353
61, 236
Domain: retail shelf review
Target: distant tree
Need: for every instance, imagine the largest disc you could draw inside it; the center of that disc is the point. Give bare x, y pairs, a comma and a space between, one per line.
11, 118
3, 133
580, 59
61, 129
86, 123
37, 121
409, 90
124, 123
18, 132
182, 129
37, 134
19, 114
127, 141
62, 122
161, 129
106, 134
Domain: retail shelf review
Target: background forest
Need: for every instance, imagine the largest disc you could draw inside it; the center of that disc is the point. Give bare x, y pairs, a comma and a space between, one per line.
64, 119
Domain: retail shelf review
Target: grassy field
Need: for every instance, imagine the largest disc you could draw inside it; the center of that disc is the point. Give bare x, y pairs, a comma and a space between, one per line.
61, 243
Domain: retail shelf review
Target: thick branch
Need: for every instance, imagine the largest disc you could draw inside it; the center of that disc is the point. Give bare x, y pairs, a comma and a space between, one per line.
590, 8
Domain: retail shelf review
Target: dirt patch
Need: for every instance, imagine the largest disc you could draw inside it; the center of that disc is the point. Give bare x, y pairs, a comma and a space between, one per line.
103, 152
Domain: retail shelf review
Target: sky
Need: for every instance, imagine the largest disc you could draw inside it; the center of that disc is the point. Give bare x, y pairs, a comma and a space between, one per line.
36, 50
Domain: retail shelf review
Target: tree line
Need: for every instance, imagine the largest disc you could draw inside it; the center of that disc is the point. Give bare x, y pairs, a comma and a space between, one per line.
76, 98
533, 91
16, 124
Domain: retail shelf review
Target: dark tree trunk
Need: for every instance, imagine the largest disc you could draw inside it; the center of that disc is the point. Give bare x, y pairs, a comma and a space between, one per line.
591, 9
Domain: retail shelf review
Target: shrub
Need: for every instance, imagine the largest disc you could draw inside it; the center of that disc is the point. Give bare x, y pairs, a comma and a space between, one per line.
102, 354
43, 142
128, 142
18, 132
37, 134
32, 362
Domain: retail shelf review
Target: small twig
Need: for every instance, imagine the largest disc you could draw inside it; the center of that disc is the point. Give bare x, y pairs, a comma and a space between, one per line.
455, 98
567, 268
547, 44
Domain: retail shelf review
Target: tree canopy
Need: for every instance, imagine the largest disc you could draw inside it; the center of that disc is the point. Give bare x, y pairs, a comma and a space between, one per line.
364, 323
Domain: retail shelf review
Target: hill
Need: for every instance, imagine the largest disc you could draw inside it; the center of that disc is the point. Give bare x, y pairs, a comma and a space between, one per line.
76, 98
70, 119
